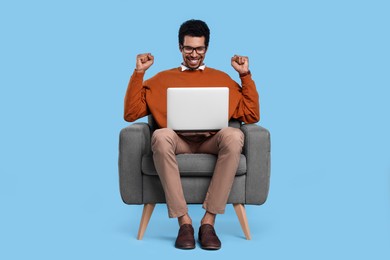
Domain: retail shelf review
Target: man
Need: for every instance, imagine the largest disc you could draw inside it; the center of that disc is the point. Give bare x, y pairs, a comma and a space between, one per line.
149, 97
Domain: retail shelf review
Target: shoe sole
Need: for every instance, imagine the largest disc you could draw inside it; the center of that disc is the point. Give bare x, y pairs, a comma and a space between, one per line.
209, 247
185, 247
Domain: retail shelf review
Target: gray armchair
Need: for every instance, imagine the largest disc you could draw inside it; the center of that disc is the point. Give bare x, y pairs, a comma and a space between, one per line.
140, 184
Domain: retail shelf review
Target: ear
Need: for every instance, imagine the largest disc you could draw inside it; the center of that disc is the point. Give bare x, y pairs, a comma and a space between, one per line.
180, 47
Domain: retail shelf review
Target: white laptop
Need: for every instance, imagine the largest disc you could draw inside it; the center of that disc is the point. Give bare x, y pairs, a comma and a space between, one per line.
197, 108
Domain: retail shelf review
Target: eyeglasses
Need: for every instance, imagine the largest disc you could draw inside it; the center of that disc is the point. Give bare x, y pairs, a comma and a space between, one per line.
189, 49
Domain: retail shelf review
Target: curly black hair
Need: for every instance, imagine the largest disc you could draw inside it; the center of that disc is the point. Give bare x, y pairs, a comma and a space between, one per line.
195, 28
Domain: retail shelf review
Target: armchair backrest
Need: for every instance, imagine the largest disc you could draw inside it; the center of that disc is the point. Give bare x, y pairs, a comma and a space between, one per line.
152, 123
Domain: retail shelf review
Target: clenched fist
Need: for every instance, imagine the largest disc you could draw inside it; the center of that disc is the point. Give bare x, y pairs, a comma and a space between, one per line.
144, 61
240, 64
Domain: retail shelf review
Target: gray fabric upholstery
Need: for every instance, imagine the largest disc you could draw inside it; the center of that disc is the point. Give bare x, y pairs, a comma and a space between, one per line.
257, 149
139, 183
195, 189
191, 165
134, 142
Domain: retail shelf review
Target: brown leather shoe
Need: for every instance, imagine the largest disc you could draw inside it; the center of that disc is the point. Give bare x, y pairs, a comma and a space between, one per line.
185, 239
208, 238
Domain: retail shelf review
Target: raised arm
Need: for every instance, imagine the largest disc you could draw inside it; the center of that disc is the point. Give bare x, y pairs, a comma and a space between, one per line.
248, 109
135, 105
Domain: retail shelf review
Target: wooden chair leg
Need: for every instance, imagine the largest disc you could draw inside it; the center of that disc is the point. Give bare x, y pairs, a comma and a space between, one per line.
241, 214
146, 214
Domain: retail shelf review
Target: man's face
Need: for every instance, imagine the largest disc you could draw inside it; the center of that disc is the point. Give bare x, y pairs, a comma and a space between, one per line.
193, 51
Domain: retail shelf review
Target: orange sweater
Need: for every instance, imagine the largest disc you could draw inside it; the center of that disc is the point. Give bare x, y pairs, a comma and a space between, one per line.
149, 97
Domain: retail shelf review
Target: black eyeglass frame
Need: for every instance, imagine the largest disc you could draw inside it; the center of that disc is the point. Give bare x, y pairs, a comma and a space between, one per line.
199, 50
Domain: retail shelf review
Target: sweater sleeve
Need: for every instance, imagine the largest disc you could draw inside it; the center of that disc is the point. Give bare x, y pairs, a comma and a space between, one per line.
248, 109
135, 105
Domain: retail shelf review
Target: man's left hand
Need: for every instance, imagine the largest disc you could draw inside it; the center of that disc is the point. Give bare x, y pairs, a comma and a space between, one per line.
240, 64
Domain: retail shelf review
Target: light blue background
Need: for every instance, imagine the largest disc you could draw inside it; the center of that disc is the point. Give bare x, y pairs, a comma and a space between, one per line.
321, 68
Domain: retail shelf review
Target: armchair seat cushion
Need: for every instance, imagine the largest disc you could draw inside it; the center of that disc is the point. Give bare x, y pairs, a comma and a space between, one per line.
191, 165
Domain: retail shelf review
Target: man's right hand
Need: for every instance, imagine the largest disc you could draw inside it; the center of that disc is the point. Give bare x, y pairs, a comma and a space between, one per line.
144, 61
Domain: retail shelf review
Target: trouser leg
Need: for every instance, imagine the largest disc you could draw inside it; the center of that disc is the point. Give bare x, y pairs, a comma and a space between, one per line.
165, 145
227, 144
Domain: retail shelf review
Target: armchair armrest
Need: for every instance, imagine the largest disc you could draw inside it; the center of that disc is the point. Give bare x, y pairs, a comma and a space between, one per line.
134, 142
257, 150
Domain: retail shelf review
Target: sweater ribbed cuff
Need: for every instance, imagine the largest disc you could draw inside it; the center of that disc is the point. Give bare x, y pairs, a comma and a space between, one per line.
245, 74
247, 79
138, 72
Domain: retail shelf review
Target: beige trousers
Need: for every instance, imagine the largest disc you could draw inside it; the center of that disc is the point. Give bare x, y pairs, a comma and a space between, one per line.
227, 144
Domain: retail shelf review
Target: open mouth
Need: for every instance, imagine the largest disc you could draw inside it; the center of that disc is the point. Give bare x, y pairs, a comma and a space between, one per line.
193, 61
